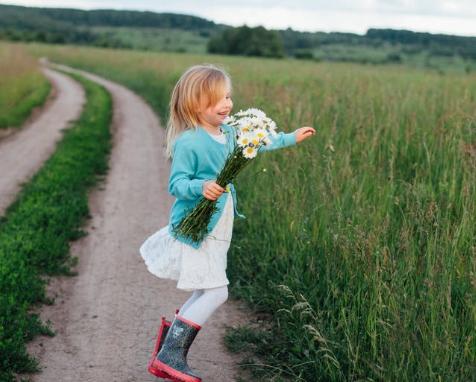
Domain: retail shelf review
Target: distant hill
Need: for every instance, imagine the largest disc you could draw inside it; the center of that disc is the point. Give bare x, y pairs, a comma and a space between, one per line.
185, 33
30, 18
93, 27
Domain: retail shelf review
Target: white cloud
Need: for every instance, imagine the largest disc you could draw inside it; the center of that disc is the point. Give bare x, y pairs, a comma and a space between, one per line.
395, 14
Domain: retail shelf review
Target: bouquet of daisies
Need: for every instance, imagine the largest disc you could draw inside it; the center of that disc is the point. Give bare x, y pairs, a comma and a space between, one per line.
252, 131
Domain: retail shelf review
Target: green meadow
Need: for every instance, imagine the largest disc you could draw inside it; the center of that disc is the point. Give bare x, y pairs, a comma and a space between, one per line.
170, 40
358, 254
22, 85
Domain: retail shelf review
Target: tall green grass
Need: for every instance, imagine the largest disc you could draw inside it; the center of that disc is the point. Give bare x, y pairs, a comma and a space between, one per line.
36, 231
23, 85
360, 243
366, 237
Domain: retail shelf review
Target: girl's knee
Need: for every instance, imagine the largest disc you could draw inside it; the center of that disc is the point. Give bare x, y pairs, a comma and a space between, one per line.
224, 295
220, 295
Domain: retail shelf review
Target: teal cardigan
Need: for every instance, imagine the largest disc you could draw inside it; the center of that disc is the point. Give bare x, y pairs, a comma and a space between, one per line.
197, 158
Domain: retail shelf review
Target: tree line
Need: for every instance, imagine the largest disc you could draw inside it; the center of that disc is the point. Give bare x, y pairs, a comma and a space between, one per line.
28, 17
411, 42
73, 26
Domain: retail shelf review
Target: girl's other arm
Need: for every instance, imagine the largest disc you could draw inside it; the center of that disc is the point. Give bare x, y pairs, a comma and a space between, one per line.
183, 183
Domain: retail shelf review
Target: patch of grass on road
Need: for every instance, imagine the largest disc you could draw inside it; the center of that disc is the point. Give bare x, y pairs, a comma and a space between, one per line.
47, 215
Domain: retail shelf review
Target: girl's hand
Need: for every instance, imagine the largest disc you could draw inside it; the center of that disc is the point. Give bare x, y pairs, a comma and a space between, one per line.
211, 190
304, 133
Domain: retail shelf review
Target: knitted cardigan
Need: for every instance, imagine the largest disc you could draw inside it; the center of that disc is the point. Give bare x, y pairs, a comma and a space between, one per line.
197, 158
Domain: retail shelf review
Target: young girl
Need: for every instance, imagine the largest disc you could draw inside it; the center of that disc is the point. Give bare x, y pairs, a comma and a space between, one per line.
198, 143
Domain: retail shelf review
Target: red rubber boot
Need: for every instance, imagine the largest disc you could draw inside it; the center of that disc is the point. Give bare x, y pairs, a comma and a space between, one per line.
163, 330
172, 358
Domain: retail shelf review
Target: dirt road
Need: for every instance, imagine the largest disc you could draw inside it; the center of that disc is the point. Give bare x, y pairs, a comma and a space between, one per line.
23, 153
106, 318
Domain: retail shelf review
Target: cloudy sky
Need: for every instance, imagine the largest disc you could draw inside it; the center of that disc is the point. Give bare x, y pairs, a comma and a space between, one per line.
456, 17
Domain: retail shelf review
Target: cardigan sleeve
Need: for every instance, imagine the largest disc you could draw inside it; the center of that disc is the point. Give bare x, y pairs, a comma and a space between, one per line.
279, 141
182, 183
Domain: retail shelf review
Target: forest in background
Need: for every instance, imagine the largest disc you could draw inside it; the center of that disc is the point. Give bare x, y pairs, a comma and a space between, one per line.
190, 34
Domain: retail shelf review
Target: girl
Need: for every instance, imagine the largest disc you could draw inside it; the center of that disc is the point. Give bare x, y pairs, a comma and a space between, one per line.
198, 142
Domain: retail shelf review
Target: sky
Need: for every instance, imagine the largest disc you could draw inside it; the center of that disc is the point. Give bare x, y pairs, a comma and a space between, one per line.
456, 17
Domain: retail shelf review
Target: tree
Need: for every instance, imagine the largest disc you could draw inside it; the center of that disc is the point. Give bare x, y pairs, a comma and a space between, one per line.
246, 41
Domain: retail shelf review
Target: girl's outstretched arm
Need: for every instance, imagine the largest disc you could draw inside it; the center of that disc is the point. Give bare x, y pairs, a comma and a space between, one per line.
304, 133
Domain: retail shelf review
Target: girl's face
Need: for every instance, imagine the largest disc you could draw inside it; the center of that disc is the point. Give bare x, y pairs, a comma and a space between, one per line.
212, 116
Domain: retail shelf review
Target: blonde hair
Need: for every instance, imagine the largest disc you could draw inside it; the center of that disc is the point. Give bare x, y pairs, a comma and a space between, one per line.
196, 84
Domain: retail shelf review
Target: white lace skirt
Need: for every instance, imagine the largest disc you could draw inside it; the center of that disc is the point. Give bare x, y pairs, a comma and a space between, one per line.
200, 268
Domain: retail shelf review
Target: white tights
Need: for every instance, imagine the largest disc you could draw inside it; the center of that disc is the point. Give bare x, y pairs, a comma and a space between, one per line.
203, 302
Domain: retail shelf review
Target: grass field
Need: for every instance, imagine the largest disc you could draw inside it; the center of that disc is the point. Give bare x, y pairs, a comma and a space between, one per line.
169, 40
359, 247
390, 54
22, 83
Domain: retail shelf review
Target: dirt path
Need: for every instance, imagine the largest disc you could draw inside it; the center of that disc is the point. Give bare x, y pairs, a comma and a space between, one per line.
23, 153
106, 318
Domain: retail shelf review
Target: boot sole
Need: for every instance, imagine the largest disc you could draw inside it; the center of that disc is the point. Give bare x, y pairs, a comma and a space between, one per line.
161, 374
157, 372
171, 372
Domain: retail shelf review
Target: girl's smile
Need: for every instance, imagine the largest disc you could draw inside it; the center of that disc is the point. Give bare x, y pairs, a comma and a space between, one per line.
211, 117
